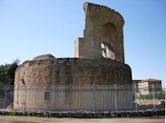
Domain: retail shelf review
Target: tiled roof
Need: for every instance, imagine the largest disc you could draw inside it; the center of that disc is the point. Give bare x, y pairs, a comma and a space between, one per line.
151, 80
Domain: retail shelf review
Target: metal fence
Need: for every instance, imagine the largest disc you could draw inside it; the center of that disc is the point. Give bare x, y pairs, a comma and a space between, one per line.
82, 98
6, 96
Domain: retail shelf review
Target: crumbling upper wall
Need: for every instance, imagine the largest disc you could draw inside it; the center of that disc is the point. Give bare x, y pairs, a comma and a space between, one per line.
60, 71
44, 57
102, 26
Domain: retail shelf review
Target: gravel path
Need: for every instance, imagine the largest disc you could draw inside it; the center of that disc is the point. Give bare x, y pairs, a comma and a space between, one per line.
9, 119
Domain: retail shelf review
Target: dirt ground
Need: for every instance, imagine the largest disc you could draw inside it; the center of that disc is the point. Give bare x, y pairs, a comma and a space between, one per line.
9, 119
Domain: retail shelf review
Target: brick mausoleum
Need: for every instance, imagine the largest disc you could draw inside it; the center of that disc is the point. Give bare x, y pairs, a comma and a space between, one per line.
49, 83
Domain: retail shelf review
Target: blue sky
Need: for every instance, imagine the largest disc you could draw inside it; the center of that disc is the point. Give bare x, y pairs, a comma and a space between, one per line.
33, 27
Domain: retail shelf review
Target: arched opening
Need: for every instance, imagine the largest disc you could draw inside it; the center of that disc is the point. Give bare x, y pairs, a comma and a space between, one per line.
107, 51
108, 40
109, 32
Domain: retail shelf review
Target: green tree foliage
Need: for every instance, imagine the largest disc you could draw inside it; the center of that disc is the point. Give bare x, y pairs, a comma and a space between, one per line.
7, 73
158, 95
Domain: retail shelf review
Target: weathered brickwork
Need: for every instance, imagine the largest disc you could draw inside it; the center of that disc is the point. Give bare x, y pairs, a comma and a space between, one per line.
81, 71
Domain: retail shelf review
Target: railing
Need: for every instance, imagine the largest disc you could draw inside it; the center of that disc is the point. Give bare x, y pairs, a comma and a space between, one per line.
82, 98
6, 96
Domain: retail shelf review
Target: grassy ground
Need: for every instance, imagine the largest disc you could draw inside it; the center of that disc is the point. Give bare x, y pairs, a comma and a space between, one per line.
20, 119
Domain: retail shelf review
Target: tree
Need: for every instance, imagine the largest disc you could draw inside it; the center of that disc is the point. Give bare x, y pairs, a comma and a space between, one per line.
7, 73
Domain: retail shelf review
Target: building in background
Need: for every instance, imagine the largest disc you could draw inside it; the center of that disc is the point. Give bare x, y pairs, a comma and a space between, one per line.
135, 83
147, 86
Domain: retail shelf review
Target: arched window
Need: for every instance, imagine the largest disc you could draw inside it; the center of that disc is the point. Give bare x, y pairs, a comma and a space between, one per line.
107, 51
104, 50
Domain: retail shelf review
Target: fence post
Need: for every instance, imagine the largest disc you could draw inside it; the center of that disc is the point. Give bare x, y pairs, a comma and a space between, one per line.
25, 98
115, 90
94, 97
153, 92
5, 92
135, 96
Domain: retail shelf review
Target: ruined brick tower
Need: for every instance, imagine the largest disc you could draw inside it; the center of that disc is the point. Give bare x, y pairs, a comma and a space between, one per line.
103, 34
